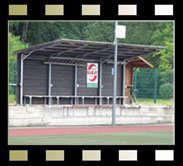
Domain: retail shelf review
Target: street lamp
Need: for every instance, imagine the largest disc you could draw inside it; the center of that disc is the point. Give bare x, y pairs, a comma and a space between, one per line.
119, 32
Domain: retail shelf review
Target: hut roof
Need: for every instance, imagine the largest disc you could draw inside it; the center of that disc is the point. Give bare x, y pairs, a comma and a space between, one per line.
68, 51
140, 62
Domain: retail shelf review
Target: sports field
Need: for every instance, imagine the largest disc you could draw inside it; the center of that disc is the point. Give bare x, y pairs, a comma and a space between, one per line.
95, 135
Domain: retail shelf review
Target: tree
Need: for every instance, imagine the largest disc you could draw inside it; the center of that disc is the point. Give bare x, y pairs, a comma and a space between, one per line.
147, 33
164, 36
14, 44
40, 32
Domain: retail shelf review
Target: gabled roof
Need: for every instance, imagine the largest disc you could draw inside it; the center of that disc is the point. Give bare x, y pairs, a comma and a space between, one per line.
140, 62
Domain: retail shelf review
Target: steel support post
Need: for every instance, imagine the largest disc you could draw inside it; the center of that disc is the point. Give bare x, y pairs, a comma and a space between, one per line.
124, 86
21, 79
100, 85
30, 100
75, 83
49, 84
57, 100
115, 76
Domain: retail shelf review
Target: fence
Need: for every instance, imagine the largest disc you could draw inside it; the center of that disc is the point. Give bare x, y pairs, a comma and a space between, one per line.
12, 82
153, 84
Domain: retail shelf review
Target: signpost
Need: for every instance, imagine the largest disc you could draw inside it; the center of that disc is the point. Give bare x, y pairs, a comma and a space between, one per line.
120, 32
92, 75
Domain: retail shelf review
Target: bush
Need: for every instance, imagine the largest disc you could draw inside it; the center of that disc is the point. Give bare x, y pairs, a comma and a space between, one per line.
166, 91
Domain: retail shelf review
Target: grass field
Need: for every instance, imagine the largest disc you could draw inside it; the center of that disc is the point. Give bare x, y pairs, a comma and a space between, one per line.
12, 99
118, 138
158, 101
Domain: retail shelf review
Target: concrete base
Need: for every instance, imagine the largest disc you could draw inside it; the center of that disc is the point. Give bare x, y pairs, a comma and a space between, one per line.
38, 115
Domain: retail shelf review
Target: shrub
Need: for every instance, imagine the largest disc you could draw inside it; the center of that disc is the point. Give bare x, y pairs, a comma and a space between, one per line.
166, 91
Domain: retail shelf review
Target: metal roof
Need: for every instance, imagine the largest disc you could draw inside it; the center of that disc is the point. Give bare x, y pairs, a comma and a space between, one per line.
71, 52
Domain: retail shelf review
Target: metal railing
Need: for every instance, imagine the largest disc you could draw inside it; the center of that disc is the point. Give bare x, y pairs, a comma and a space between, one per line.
72, 98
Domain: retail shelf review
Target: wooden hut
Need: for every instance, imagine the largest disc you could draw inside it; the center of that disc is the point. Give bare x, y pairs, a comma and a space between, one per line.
137, 62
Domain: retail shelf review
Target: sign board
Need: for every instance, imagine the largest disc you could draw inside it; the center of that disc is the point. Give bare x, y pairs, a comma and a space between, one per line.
121, 31
92, 75
112, 72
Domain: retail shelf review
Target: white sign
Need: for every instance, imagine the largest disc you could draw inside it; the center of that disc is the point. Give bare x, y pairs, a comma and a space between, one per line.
92, 75
112, 72
121, 31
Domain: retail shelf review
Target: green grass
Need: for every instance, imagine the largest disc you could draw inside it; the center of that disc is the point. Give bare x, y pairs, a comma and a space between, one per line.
119, 138
12, 99
158, 101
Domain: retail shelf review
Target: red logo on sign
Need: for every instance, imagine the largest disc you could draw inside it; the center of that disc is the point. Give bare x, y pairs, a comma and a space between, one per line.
92, 72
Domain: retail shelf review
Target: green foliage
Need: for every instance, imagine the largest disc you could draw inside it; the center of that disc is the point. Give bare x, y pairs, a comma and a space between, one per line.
39, 32
14, 44
138, 32
163, 35
73, 30
165, 75
167, 57
99, 31
166, 91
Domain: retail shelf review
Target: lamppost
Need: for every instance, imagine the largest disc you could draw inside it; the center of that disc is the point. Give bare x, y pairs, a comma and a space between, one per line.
119, 32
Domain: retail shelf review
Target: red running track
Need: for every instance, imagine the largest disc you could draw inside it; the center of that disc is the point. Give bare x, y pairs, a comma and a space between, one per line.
82, 130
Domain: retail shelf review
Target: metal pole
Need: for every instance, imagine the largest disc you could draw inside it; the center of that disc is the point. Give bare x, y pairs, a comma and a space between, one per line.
21, 79
49, 84
75, 83
155, 84
15, 79
115, 76
124, 75
135, 86
100, 86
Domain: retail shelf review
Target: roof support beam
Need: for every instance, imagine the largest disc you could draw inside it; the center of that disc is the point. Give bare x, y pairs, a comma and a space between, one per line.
75, 59
105, 60
67, 64
70, 50
112, 62
130, 59
26, 56
104, 49
67, 51
39, 49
